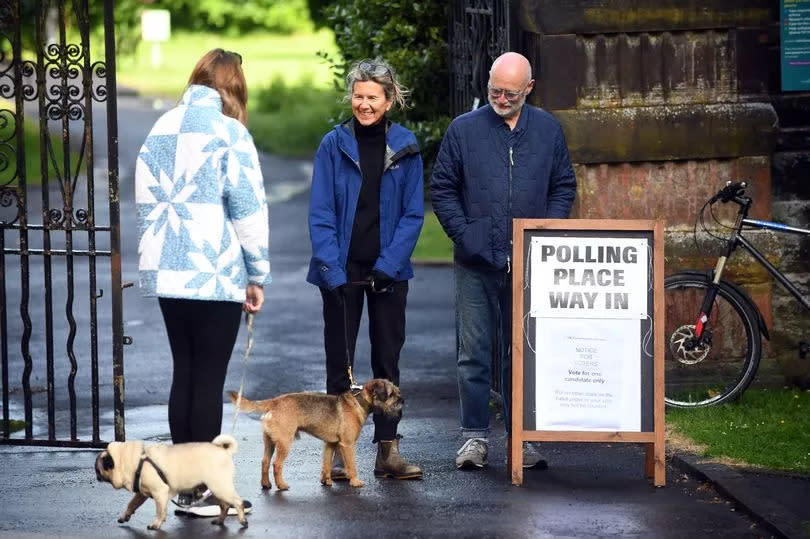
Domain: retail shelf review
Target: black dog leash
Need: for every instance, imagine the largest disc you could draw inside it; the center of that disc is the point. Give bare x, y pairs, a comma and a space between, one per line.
368, 282
136, 483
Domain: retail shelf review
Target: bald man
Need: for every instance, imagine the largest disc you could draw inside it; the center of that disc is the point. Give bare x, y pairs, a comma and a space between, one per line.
502, 161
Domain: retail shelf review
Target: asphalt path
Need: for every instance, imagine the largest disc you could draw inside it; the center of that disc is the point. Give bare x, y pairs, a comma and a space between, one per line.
589, 490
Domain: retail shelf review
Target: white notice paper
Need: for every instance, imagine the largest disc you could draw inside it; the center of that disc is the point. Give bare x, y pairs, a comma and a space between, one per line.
588, 277
588, 374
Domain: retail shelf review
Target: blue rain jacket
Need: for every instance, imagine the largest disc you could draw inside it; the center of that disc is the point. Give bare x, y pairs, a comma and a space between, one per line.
336, 181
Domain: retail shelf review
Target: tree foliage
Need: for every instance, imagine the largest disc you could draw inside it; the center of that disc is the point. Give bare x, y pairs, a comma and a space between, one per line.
284, 16
317, 12
127, 23
229, 16
412, 37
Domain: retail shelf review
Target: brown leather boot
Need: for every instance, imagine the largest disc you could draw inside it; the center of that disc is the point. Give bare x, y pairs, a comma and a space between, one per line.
390, 463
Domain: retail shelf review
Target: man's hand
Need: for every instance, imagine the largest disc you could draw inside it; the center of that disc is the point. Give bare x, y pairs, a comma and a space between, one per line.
254, 299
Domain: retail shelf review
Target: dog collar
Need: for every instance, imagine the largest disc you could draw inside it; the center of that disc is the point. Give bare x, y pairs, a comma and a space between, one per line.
360, 398
136, 482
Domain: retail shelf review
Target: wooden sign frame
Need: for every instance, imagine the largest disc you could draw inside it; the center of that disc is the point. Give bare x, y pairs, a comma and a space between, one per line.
655, 465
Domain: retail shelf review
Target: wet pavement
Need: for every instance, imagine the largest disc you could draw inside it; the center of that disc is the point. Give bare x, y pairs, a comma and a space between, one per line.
589, 490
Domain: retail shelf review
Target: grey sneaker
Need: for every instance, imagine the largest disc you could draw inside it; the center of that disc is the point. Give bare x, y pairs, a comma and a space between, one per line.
187, 498
473, 454
184, 499
209, 507
531, 457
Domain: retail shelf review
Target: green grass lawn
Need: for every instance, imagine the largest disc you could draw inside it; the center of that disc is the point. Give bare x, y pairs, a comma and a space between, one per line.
766, 427
31, 141
14, 425
433, 244
265, 57
292, 101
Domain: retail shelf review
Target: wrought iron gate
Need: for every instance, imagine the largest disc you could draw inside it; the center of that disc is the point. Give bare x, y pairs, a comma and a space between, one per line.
480, 31
66, 255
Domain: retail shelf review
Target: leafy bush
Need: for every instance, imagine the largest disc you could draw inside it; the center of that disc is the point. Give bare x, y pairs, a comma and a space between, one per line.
316, 12
290, 119
412, 37
281, 94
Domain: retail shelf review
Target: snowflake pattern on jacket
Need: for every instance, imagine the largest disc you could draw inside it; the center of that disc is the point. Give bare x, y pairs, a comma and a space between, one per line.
201, 205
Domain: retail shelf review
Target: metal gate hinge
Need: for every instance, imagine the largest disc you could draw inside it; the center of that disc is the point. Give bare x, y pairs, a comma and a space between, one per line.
127, 284
126, 340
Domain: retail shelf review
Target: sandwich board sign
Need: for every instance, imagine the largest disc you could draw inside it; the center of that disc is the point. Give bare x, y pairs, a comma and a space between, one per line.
587, 335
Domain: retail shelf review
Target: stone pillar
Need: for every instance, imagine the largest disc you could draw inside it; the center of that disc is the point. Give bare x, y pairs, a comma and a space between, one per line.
662, 102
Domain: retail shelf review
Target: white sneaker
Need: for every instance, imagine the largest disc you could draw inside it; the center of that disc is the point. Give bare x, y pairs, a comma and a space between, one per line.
473, 454
531, 457
208, 506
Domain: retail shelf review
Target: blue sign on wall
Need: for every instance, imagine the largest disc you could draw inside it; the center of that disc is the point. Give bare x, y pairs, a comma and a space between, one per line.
795, 32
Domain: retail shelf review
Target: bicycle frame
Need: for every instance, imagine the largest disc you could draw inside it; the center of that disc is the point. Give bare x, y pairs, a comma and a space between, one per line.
778, 275
735, 240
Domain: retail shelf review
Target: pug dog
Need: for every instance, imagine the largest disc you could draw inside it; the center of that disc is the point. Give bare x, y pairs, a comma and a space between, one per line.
161, 471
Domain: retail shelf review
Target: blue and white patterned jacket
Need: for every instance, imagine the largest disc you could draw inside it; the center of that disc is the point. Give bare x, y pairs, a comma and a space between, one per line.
202, 210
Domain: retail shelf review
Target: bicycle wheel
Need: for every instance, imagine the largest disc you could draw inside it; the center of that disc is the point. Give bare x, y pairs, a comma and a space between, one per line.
719, 369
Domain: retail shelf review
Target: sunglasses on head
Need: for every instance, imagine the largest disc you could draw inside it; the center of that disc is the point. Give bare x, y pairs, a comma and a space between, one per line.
374, 70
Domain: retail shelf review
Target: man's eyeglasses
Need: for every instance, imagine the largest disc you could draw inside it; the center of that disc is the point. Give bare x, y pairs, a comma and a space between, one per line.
511, 95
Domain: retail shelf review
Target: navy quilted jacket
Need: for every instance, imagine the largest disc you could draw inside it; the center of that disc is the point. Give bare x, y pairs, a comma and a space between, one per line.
479, 185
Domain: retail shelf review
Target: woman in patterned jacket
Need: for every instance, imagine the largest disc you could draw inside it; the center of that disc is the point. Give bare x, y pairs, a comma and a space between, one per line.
203, 249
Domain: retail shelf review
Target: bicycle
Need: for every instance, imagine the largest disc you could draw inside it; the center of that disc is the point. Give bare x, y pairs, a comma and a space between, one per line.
714, 329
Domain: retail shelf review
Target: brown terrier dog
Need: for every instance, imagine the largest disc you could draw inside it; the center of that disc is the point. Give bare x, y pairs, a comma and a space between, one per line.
335, 419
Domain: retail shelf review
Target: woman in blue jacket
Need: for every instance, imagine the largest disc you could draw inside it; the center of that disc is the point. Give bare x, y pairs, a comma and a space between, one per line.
366, 210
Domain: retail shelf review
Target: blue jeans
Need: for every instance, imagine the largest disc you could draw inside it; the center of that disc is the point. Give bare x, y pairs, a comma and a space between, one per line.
483, 329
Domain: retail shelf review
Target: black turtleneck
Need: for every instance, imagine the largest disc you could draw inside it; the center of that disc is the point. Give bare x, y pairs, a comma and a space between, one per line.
364, 248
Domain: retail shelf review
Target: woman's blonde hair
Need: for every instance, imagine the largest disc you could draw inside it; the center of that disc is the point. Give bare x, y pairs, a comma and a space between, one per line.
379, 71
222, 70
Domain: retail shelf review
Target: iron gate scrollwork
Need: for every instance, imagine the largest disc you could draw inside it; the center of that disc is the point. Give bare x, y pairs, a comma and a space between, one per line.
47, 111
480, 31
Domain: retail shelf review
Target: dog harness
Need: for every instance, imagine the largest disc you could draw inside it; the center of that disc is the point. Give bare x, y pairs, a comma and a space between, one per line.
136, 483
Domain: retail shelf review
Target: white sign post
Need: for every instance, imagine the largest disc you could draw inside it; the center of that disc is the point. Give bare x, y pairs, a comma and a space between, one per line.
155, 29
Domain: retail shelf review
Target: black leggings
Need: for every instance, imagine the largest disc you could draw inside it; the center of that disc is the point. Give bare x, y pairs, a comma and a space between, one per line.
386, 327
201, 335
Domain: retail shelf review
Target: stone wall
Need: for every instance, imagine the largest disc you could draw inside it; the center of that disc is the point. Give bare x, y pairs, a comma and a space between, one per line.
662, 102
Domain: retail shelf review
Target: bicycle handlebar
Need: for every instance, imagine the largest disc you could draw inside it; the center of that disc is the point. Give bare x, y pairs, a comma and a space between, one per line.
731, 191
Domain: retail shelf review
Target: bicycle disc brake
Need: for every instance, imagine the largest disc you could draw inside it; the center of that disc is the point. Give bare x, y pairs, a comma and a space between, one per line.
685, 349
